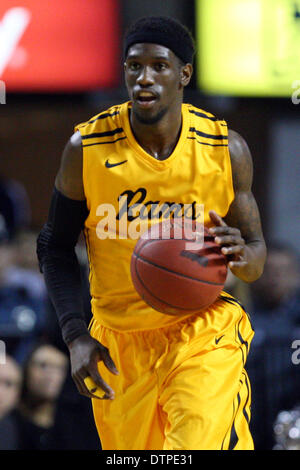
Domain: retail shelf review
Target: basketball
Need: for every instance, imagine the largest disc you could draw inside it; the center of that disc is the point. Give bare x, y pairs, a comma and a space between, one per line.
178, 276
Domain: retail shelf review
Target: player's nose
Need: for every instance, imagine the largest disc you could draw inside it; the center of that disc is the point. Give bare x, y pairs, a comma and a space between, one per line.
145, 77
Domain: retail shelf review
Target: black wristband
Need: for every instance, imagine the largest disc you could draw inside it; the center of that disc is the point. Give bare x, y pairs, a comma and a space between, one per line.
72, 329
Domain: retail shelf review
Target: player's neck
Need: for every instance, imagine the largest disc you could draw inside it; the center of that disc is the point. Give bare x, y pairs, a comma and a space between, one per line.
159, 139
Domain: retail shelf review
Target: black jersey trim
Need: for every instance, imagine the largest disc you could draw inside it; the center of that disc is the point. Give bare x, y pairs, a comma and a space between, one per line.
233, 300
205, 143
239, 337
211, 118
233, 440
208, 136
106, 142
96, 135
244, 342
103, 116
247, 417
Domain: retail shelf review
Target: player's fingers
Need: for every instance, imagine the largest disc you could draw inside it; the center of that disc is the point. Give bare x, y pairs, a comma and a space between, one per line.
82, 389
108, 362
224, 231
79, 380
229, 240
88, 387
237, 264
216, 219
232, 250
94, 374
94, 390
109, 393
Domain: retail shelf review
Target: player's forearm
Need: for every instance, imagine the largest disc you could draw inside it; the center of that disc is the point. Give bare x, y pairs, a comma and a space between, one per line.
255, 256
58, 262
62, 277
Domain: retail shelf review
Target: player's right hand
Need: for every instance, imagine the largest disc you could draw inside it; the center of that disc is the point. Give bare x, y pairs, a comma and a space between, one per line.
85, 353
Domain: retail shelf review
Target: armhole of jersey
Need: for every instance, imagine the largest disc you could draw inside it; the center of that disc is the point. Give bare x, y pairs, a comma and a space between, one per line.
227, 154
79, 128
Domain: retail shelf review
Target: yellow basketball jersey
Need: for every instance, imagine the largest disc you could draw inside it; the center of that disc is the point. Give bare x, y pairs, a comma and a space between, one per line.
125, 187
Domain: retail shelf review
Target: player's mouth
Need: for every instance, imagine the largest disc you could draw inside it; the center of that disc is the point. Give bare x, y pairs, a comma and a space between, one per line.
145, 99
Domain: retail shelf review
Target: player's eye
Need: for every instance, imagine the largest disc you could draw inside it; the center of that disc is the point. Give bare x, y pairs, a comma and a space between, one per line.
160, 66
134, 66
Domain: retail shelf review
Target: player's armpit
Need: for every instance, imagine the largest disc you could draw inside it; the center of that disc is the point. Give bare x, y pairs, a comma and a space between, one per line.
69, 178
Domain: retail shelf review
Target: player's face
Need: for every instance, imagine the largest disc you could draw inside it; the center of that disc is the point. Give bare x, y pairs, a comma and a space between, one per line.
153, 76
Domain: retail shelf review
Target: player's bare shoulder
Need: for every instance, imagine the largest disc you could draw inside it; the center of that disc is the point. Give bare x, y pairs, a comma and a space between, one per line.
241, 161
69, 177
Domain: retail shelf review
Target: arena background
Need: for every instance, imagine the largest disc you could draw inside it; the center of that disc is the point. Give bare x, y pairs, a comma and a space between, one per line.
46, 94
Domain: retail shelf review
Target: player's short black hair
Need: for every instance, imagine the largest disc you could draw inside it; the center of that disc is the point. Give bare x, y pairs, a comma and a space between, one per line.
165, 31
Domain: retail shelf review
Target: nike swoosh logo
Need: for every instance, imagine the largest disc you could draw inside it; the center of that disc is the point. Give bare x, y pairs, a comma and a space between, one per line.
218, 339
111, 165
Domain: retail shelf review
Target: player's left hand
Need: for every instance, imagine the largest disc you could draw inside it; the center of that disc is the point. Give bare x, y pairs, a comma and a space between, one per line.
230, 240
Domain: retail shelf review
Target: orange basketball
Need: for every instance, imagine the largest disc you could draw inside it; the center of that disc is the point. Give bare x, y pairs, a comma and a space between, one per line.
178, 276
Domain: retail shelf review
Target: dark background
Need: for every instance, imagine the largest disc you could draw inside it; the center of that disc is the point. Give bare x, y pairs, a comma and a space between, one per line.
35, 127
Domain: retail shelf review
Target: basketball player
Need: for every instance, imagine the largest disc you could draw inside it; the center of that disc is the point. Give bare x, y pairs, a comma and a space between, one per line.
169, 382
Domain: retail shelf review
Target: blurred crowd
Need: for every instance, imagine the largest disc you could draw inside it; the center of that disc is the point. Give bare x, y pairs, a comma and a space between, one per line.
40, 407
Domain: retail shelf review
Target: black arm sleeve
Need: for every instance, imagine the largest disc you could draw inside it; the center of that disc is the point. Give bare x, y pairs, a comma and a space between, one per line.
58, 262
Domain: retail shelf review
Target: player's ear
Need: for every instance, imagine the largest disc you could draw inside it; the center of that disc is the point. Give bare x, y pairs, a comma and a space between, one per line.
186, 74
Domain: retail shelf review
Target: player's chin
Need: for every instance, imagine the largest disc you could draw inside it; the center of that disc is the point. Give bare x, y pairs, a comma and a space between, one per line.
150, 115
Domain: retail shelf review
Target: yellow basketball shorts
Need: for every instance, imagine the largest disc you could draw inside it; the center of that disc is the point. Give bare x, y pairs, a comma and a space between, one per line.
181, 387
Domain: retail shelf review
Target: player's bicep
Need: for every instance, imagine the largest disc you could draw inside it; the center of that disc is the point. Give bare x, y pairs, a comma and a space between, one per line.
243, 212
69, 177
